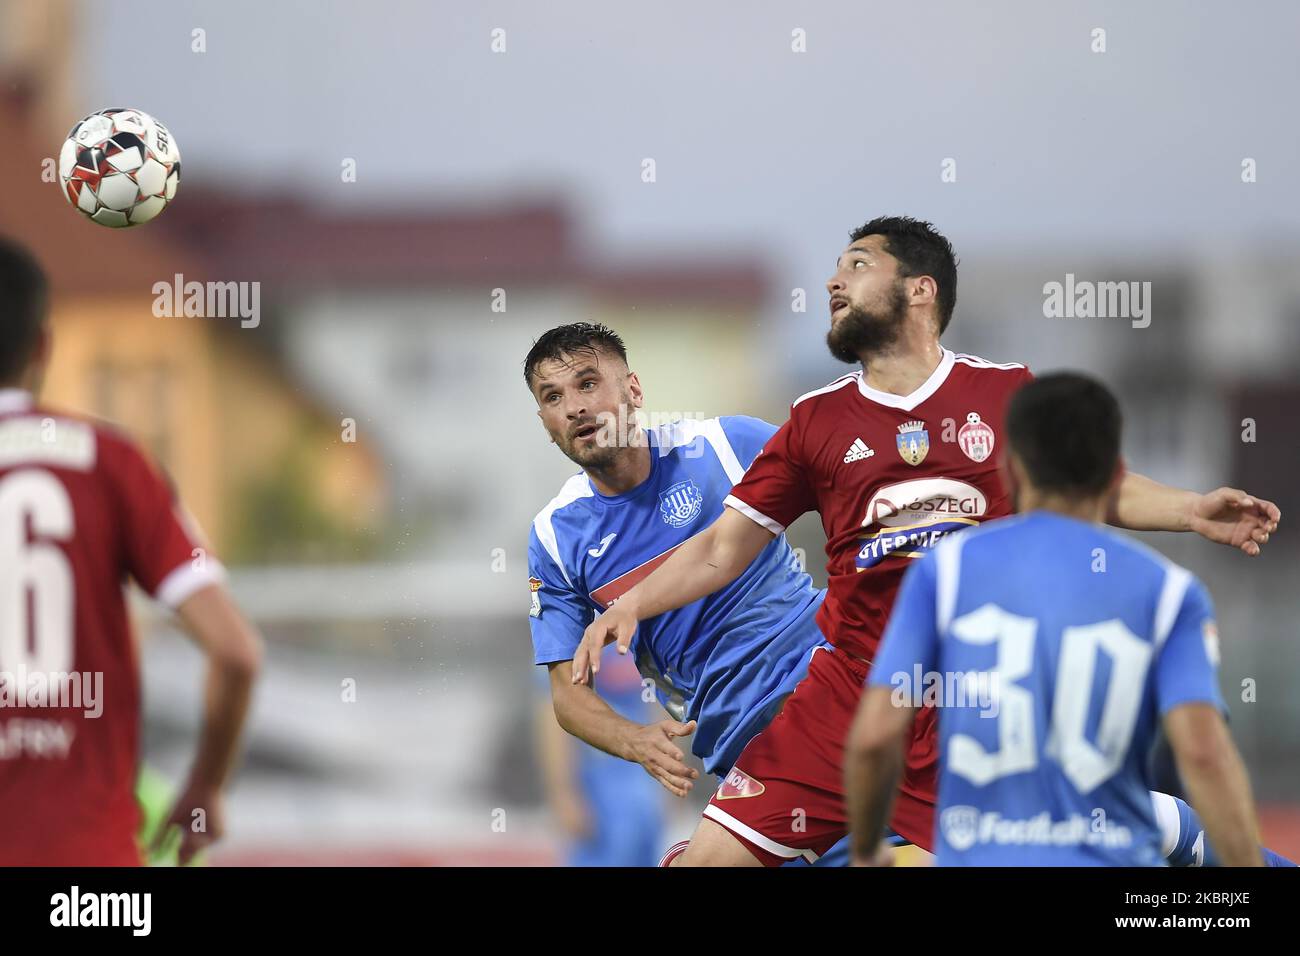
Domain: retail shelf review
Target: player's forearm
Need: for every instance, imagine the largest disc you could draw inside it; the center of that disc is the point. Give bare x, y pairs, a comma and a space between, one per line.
703, 564
870, 780
1145, 505
873, 762
1219, 789
226, 701
234, 652
582, 713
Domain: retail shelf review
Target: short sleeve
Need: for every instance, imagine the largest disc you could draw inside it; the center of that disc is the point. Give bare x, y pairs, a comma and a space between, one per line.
775, 489
747, 436
164, 551
912, 635
557, 614
1186, 669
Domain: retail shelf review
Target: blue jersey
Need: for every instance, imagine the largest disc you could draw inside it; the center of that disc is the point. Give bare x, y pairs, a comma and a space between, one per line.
726, 661
1053, 648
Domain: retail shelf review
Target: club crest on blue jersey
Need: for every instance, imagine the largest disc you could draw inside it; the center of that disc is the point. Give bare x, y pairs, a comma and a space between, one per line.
960, 826
913, 442
681, 503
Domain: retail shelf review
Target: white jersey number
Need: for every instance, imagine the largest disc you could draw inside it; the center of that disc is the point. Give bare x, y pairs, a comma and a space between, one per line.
36, 588
1085, 763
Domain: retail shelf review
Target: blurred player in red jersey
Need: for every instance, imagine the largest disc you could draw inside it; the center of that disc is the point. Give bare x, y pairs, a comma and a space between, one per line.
893, 457
81, 509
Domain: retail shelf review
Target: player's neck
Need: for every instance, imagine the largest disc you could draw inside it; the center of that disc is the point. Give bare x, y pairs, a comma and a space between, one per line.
626, 472
903, 367
1092, 510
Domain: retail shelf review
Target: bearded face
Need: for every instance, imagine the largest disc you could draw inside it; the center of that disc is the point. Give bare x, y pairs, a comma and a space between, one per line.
867, 329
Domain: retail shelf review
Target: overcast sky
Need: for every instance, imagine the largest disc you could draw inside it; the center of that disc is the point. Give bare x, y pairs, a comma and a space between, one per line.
757, 147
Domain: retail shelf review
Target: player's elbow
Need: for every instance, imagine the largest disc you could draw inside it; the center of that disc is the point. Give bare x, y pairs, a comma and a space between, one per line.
1200, 741
242, 658
1205, 759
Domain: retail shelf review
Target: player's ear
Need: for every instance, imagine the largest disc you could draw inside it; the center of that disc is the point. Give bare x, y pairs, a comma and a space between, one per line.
634, 390
924, 290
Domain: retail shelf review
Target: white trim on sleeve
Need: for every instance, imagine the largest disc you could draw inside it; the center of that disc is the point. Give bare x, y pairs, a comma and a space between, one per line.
1166, 809
753, 514
185, 580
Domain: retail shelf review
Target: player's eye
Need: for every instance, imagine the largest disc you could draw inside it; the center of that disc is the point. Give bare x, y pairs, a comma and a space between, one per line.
590, 381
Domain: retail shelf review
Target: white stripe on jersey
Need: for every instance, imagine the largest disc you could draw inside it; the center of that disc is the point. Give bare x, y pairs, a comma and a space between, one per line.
576, 487
947, 574
678, 433
714, 434
1172, 592
974, 361
838, 383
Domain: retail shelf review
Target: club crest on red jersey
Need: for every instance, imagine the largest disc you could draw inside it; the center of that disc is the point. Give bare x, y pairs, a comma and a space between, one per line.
976, 438
737, 784
913, 442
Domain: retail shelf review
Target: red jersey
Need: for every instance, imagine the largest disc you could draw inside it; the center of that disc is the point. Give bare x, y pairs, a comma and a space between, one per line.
890, 475
80, 509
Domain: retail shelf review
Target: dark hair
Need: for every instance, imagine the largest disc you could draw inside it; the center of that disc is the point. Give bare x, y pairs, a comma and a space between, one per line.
23, 298
569, 339
921, 251
1065, 428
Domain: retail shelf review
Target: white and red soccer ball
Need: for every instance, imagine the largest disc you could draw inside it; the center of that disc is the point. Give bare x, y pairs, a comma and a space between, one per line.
120, 167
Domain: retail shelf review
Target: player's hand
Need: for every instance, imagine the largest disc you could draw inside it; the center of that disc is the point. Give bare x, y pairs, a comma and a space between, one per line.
652, 747
200, 816
1232, 517
617, 624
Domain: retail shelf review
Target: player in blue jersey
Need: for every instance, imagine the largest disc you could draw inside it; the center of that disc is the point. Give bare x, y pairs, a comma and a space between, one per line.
1055, 651
722, 666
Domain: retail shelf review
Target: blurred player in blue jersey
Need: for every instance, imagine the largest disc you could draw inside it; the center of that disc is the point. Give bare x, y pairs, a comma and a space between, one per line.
1055, 651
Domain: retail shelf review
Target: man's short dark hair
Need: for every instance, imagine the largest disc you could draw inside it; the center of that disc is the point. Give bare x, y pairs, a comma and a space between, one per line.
572, 339
23, 299
921, 250
1065, 428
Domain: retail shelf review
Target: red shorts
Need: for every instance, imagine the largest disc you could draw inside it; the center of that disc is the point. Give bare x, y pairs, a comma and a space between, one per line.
784, 799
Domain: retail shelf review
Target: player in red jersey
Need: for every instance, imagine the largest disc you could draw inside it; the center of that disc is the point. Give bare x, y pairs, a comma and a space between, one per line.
893, 457
81, 509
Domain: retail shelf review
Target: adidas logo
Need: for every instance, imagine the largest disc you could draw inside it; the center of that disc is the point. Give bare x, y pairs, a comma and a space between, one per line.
857, 451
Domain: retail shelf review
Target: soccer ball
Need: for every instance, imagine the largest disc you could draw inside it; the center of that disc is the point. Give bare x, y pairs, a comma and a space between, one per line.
120, 167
